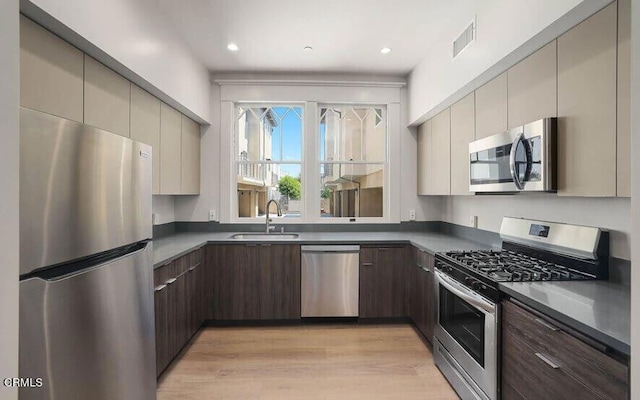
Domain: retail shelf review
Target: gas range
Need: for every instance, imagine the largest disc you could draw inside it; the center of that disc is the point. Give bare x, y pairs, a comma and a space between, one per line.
467, 328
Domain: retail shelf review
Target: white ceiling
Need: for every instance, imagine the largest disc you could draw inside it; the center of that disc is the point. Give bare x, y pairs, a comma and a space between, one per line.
346, 35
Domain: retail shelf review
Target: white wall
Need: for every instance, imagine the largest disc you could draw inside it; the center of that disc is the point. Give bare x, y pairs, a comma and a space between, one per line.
136, 34
163, 209
503, 26
609, 213
635, 199
9, 212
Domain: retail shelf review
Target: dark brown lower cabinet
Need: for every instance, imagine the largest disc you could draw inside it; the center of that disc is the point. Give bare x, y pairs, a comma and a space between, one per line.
382, 281
423, 302
543, 360
254, 281
179, 305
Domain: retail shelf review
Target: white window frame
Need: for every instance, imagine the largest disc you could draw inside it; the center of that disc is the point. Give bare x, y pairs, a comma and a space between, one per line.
235, 163
268, 92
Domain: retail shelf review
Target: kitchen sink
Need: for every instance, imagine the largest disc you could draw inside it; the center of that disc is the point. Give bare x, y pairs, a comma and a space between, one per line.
264, 236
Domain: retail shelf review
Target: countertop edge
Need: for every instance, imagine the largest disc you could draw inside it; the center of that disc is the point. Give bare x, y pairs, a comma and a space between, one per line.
590, 331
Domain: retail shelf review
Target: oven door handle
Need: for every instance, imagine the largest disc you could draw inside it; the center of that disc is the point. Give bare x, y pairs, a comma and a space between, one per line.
465, 294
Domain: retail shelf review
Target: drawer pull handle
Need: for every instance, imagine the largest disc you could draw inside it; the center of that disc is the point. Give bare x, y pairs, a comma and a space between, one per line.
367, 264
547, 361
547, 325
171, 281
192, 268
159, 288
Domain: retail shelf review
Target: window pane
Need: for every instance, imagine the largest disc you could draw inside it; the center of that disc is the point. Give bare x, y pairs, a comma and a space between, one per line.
353, 133
259, 182
351, 190
269, 133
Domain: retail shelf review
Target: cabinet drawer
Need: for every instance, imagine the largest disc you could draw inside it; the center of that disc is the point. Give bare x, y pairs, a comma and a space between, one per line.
195, 258
602, 374
528, 374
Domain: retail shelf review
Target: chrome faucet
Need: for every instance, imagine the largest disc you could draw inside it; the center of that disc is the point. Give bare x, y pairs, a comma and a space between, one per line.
268, 220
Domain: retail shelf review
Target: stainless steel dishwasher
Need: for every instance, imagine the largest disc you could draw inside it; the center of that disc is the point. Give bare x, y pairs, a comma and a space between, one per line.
330, 281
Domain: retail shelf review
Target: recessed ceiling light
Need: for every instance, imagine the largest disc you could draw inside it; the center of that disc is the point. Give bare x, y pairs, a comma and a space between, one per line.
233, 47
385, 50
308, 49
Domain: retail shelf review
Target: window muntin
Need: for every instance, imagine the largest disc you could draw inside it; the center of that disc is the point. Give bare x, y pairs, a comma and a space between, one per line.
352, 133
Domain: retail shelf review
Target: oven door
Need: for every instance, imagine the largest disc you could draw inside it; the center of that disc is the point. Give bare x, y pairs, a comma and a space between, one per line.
466, 334
521, 159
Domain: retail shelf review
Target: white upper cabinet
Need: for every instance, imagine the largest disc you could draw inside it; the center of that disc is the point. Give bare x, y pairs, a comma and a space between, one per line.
587, 70
106, 98
424, 158
51, 73
491, 107
170, 150
190, 175
462, 133
145, 127
532, 87
624, 99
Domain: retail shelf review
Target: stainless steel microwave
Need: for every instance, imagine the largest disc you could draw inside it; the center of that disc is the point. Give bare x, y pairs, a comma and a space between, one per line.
521, 159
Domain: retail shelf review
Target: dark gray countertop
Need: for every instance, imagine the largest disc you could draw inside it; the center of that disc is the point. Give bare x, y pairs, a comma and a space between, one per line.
598, 309
169, 248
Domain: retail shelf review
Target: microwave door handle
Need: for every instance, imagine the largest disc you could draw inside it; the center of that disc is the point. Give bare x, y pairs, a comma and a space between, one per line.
481, 305
512, 162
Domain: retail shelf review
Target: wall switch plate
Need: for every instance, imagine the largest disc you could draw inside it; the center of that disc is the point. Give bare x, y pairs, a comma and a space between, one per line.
213, 216
412, 215
155, 219
473, 221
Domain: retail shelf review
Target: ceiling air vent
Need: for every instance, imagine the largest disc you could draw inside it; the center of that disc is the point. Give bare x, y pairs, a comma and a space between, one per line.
465, 38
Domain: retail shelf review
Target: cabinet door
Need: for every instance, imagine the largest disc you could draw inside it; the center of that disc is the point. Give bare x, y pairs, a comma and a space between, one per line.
106, 98
368, 302
462, 133
161, 318
441, 154
190, 175
587, 107
279, 281
624, 99
51, 73
491, 107
424, 158
170, 150
145, 127
532, 87
430, 302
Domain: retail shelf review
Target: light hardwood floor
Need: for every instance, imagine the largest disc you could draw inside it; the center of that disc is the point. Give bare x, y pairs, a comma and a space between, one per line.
305, 362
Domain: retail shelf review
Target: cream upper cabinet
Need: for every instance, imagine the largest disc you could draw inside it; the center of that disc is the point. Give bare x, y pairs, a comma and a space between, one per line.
51, 72
624, 99
491, 107
462, 133
106, 98
587, 107
532, 87
190, 181
424, 158
145, 126
170, 150
441, 154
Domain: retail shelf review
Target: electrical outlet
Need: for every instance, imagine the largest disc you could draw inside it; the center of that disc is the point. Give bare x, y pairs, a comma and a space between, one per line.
412, 215
473, 221
213, 216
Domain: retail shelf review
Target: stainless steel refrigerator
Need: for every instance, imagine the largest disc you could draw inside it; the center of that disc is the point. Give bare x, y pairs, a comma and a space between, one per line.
86, 263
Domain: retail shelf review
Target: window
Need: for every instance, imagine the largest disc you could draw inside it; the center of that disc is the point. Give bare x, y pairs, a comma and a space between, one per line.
269, 159
347, 161
352, 160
